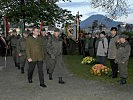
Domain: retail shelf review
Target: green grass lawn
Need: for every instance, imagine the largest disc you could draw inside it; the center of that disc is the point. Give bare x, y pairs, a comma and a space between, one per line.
83, 71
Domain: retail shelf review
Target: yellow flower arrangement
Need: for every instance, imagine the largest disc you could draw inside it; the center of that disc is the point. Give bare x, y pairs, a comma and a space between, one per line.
87, 60
99, 70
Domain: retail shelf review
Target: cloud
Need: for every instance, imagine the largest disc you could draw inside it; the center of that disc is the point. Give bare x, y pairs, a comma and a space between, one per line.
90, 13
73, 4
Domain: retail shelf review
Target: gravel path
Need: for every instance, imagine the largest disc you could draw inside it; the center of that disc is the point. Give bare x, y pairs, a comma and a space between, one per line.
14, 86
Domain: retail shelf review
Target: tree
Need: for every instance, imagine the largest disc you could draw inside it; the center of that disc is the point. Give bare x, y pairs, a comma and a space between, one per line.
115, 8
34, 11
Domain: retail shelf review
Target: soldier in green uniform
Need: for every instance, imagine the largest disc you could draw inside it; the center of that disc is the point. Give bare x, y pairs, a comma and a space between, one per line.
21, 50
48, 60
35, 55
89, 45
44, 39
54, 50
13, 40
122, 57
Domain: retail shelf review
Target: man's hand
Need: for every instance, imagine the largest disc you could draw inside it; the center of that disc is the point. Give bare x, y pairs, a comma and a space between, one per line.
29, 60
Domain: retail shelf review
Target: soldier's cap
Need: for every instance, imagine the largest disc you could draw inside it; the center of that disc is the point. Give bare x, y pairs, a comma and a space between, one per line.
56, 30
14, 30
25, 32
113, 29
124, 36
103, 32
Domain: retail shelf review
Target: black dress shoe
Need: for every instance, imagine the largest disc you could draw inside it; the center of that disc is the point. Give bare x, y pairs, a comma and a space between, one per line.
43, 85
61, 81
47, 71
18, 67
50, 76
30, 81
22, 70
122, 81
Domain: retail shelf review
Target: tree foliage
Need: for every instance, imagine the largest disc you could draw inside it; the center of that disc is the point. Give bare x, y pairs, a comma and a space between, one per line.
33, 11
115, 8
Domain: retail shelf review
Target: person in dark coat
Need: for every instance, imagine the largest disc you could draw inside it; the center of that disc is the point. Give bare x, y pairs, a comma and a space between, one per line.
3, 46
35, 55
48, 59
112, 52
122, 57
46, 37
81, 43
72, 43
96, 41
65, 44
131, 43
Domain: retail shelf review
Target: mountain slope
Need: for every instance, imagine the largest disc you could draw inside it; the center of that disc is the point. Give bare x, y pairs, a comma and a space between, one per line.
101, 20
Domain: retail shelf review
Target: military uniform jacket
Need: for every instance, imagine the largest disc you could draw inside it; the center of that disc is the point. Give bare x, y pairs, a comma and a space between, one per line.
21, 46
13, 40
89, 43
44, 39
54, 49
123, 53
34, 48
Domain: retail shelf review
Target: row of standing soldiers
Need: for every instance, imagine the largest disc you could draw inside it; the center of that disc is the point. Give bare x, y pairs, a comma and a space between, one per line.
116, 48
37, 48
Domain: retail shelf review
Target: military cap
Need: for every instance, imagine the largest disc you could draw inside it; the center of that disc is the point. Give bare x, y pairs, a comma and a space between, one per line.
56, 30
123, 36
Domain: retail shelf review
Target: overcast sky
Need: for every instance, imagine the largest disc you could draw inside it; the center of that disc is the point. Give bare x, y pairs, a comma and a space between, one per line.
84, 8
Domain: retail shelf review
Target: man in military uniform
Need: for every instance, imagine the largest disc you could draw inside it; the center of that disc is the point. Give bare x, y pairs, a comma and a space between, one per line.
35, 55
13, 40
54, 50
44, 39
122, 57
21, 50
89, 45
